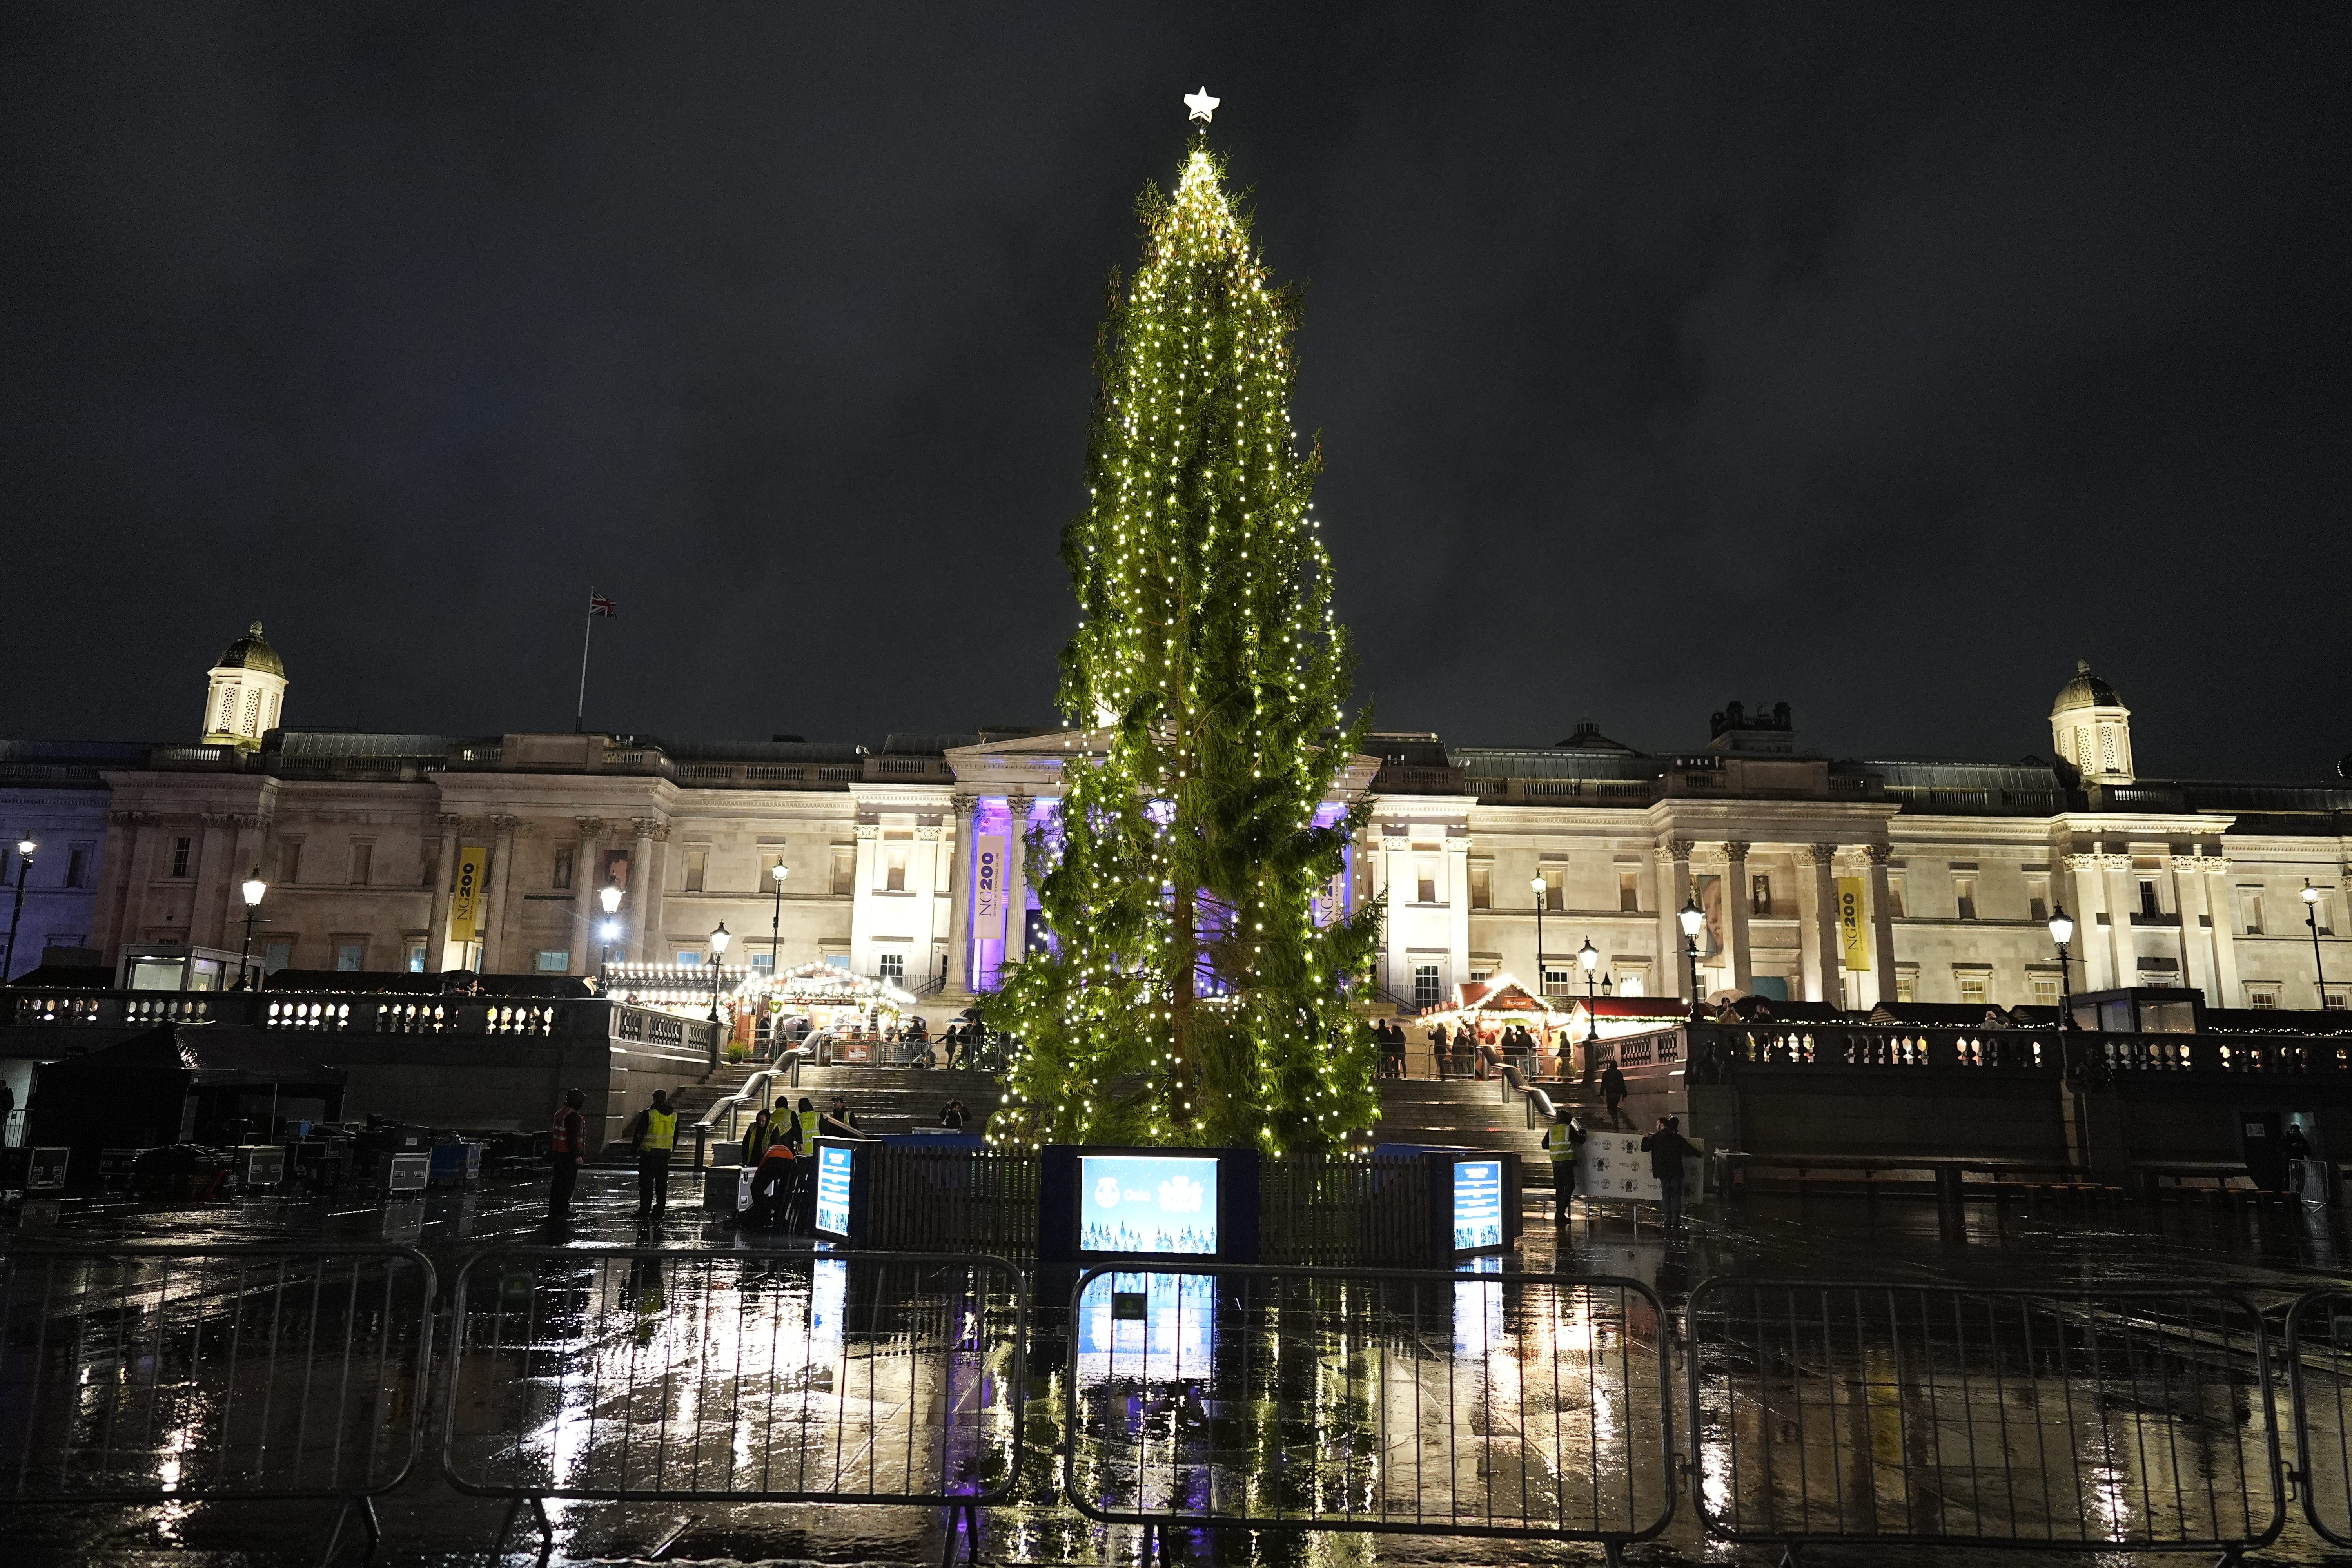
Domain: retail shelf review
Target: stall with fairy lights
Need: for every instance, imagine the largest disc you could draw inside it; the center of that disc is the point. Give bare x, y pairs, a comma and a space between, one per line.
1490, 1008
854, 1019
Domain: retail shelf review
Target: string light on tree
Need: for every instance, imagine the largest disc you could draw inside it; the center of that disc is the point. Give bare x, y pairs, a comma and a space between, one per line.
1191, 996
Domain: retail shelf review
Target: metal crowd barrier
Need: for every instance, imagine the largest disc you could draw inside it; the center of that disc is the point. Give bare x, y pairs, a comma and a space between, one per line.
1215, 1396
2319, 1381
2119, 1421
151, 1374
638, 1374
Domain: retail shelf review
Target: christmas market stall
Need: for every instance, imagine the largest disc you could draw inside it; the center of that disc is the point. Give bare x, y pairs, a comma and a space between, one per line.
1492, 1013
848, 1017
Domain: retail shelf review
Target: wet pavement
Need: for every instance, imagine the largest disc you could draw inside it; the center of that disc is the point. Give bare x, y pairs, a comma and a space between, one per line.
1339, 1394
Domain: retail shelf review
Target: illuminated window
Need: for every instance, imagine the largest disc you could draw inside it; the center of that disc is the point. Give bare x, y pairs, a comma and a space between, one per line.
2261, 996
2045, 991
1975, 988
1425, 987
555, 961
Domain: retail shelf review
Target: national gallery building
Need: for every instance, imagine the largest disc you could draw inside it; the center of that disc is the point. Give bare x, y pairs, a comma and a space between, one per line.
1843, 879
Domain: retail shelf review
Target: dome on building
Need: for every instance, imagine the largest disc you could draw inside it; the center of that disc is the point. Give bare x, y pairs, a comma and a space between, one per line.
251, 651
2086, 690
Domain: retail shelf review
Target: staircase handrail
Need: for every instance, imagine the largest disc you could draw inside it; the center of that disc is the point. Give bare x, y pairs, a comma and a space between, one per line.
1539, 1102
753, 1092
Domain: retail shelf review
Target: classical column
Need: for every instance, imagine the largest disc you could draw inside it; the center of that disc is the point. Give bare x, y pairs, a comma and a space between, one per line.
1457, 910
445, 883
2188, 903
1396, 888
2225, 934
1736, 913
923, 871
959, 898
2089, 900
584, 883
114, 861
494, 936
208, 910
1016, 879
2122, 902
644, 905
1882, 919
140, 880
1673, 891
1817, 921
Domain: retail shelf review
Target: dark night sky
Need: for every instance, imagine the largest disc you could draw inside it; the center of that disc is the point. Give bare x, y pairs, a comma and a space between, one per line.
1880, 360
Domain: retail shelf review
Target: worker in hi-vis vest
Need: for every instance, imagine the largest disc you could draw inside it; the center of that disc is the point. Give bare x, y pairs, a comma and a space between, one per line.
653, 1131
1563, 1142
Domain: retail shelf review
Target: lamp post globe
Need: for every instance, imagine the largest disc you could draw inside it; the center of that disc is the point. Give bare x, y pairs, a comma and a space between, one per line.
1691, 918
251, 889
24, 851
2061, 931
718, 940
2311, 897
609, 930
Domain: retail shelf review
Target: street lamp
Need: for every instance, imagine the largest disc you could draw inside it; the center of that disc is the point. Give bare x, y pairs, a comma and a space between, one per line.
776, 874
2061, 931
609, 895
1589, 956
1537, 886
2311, 897
25, 847
1691, 919
718, 940
252, 887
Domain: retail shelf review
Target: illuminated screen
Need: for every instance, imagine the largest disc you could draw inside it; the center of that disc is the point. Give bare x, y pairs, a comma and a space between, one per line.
832, 1167
1477, 1204
1148, 1203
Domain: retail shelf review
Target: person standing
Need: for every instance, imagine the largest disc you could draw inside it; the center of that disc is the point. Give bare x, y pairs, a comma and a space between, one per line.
2293, 1150
1667, 1148
1613, 1090
1563, 1141
566, 1149
1437, 1045
654, 1133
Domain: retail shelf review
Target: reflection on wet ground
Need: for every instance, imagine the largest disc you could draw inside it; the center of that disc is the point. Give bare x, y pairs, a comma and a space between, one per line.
1334, 1411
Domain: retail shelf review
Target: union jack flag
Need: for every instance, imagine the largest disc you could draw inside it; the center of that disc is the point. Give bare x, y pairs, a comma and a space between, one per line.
600, 605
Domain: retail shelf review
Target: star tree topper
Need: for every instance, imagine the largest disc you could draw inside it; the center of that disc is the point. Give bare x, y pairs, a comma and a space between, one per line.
1201, 105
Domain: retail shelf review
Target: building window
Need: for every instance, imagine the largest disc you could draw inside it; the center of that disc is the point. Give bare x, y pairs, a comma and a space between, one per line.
78, 866
2323, 917
1632, 985
179, 847
1629, 892
277, 953
1759, 895
2108, 748
1480, 976
415, 955
2045, 991
1425, 987
1424, 882
363, 860
845, 870
1964, 900
763, 964
2250, 908
2150, 906
894, 868
698, 865
555, 961
689, 959
351, 954
893, 967
1554, 881
2333, 1001
565, 854
1482, 888
290, 860
1555, 982
1907, 984
1975, 988
2037, 899
1895, 898
2261, 996
253, 711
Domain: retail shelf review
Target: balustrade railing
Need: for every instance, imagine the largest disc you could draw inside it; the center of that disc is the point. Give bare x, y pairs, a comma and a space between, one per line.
355, 1013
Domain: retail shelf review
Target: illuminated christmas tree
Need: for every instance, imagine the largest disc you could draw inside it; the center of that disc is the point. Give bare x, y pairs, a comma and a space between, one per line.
1196, 992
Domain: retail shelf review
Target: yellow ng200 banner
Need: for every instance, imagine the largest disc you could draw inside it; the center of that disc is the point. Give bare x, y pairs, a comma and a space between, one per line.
1854, 926
473, 862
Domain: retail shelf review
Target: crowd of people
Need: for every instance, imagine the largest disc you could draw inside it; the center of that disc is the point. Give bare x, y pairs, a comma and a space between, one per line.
1462, 1051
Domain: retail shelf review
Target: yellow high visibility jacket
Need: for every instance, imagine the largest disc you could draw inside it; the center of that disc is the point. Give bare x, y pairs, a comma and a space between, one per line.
1560, 1141
661, 1132
807, 1120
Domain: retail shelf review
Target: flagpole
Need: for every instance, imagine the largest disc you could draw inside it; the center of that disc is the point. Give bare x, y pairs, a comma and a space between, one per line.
580, 716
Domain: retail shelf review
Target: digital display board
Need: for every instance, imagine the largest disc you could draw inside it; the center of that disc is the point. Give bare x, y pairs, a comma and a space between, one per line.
834, 1164
1163, 1203
1477, 1204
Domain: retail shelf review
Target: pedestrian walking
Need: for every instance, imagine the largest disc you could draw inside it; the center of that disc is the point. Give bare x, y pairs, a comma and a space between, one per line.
566, 1149
653, 1132
1563, 1142
1437, 1050
1667, 1148
1612, 1091
2293, 1150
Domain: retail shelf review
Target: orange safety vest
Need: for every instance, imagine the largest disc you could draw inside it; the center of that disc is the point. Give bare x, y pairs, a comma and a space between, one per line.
571, 1132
